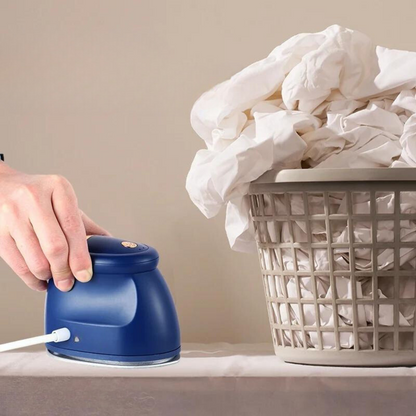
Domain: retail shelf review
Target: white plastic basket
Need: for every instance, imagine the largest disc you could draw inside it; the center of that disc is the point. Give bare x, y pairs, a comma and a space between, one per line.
338, 259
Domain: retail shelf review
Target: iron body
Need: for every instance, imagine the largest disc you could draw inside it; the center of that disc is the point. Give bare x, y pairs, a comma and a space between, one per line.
125, 316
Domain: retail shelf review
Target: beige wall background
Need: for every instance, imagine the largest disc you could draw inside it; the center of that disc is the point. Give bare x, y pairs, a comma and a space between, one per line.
100, 91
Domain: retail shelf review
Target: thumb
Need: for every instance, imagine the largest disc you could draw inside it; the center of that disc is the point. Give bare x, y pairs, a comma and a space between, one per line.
91, 228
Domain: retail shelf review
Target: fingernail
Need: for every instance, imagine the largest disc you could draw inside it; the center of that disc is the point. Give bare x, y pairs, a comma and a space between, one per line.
84, 275
65, 285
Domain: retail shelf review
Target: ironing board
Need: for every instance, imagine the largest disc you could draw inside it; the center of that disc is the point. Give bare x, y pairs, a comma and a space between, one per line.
215, 379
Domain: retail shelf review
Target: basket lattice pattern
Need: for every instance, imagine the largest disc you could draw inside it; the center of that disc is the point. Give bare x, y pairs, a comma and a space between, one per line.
387, 290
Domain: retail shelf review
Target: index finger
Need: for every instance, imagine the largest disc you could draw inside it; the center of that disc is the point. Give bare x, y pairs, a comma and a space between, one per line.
65, 206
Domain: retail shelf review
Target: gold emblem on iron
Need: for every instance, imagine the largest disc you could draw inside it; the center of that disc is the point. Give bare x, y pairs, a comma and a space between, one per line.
129, 244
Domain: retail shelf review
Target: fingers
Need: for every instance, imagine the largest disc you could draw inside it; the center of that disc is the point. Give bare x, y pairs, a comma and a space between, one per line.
53, 244
40, 215
12, 256
61, 238
91, 227
65, 207
28, 245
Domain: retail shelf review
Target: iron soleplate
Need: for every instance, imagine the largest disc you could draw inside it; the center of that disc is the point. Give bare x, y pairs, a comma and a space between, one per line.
116, 364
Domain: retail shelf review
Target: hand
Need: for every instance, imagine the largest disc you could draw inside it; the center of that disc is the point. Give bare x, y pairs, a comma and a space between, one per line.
42, 230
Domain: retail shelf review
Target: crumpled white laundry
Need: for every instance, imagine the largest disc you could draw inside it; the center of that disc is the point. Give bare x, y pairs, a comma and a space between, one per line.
321, 100
327, 99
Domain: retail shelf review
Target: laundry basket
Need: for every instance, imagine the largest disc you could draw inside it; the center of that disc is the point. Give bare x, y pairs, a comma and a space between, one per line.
337, 250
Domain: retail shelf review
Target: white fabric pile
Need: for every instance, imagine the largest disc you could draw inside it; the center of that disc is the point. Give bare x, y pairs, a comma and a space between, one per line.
327, 99
331, 99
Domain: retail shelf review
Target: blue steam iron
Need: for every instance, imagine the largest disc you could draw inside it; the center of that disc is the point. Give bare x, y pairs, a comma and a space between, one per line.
125, 316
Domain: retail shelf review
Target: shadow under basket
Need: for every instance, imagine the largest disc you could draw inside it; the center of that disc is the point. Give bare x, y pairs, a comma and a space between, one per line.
337, 251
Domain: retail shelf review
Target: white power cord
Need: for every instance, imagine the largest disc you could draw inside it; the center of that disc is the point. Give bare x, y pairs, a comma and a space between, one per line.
60, 335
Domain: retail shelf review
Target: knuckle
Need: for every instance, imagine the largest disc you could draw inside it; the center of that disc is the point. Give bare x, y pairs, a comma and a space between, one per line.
59, 180
9, 209
41, 269
25, 191
61, 273
22, 194
22, 270
32, 192
20, 190
56, 249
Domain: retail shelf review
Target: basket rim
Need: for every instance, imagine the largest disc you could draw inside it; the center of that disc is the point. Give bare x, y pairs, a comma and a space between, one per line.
337, 175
